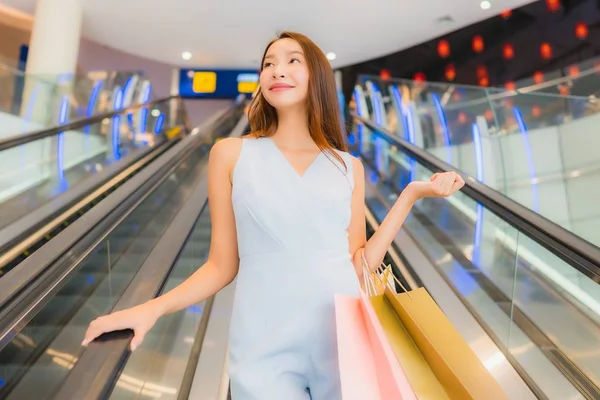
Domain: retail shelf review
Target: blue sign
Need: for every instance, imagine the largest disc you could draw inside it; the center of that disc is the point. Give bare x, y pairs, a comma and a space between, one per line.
216, 84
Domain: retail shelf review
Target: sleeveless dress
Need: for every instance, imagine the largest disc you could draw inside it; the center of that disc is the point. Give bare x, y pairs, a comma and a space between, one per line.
294, 258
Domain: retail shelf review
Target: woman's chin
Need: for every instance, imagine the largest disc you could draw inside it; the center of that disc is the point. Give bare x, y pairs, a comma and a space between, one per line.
286, 104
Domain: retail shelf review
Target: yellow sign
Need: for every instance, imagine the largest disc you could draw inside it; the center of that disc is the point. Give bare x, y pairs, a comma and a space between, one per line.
247, 87
205, 82
171, 133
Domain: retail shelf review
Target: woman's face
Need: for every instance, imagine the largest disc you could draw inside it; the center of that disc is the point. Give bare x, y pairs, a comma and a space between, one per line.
284, 77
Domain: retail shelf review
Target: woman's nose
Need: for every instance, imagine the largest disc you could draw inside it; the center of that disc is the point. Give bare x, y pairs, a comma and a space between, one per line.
278, 72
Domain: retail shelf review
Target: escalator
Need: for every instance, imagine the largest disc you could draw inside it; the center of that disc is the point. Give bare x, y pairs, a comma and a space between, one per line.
531, 286
59, 174
537, 339
483, 258
43, 322
536, 149
517, 246
67, 155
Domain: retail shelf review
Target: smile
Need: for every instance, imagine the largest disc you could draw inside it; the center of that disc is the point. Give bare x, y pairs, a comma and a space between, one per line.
280, 86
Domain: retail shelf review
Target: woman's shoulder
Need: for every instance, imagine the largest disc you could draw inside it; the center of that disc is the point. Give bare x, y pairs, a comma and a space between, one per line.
232, 145
354, 161
227, 147
226, 152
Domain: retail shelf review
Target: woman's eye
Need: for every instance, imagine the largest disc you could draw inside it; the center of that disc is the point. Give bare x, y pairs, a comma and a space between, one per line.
294, 60
267, 65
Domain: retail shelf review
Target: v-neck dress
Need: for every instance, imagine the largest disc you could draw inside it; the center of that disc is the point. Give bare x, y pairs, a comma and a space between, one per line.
294, 258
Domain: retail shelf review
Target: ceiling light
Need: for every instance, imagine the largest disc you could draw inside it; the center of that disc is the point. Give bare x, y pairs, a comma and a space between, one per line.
331, 56
186, 55
485, 5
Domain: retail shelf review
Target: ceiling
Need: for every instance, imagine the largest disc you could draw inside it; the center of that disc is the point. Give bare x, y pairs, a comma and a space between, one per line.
233, 33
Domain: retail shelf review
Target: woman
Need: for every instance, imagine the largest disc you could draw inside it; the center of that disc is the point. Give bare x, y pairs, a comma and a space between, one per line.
287, 212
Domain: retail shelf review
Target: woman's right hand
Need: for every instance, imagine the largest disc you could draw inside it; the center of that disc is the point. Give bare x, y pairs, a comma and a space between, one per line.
140, 319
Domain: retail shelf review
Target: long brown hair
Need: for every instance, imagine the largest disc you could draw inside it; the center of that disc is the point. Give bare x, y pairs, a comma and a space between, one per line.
322, 106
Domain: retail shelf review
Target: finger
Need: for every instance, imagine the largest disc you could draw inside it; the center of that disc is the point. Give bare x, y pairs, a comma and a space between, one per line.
94, 330
138, 338
459, 179
434, 177
457, 186
459, 182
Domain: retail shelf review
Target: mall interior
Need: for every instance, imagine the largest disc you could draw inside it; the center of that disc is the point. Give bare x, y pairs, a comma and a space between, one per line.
109, 110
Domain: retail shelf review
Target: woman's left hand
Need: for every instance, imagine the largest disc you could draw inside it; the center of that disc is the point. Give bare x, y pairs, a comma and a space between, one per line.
442, 184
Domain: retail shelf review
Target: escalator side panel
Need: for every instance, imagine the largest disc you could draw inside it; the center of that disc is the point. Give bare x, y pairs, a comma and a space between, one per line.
449, 255
19, 228
104, 276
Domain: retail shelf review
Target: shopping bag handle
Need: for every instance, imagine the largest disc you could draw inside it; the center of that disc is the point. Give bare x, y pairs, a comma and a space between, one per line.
371, 273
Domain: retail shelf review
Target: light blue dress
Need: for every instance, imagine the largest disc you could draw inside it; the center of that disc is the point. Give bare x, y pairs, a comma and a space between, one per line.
294, 257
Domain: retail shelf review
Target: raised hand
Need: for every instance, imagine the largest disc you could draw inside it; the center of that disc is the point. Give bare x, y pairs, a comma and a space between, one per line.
442, 184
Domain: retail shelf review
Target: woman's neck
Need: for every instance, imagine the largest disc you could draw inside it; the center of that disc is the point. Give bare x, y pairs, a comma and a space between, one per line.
292, 129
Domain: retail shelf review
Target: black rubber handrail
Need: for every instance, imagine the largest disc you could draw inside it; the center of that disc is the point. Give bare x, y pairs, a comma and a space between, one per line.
18, 140
576, 251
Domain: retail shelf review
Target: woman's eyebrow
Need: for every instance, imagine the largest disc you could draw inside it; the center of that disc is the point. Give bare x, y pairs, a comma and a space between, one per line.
289, 53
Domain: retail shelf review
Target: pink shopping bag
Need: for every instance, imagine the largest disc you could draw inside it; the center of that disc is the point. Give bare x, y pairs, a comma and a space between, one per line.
357, 365
393, 384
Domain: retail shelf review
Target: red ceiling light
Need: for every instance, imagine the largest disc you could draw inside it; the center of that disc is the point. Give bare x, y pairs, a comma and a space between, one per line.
538, 77
563, 90
484, 81
508, 51
481, 71
488, 115
553, 5
420, 77
443, 48
478, 44
385, 74
536, 111
450, 72
573, 70
510, 85
581, 30
506, 14
546, 51
462, 117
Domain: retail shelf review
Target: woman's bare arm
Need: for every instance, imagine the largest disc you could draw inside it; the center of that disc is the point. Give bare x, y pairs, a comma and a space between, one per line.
222, 264
220, 269
440, 185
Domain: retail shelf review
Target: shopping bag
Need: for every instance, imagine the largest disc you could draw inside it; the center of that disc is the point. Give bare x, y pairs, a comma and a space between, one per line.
456, 367
420, 377
357, 367
454, 363
393, 383
422, 380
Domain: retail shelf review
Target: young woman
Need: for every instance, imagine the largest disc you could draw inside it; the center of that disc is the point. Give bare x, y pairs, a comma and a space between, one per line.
287, 212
